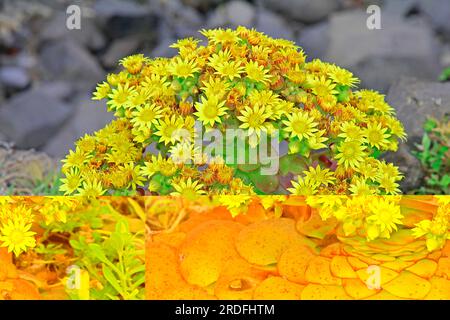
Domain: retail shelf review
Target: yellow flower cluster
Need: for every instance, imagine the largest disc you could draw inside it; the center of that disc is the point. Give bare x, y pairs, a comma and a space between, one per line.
238, 79
18, 216
437, 230
379, 216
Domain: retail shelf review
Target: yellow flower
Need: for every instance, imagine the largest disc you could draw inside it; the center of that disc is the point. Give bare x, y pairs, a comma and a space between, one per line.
350, 131
361, 188
215, 87
147, 115
300, 125
229, 69
316, 141
188, 188
388, 184
16, 236
342, 76
303, 187
71, 181
256, 72
220, 57
132, 174
182, 153
253, 119
74, 159
296, 75
322, 87
209, 110
183, 68
376, 135
91, 188
319, 176
133, 63
102, 91
221, 36
350, 154
119, 96
169, 129
385, 214
236, 204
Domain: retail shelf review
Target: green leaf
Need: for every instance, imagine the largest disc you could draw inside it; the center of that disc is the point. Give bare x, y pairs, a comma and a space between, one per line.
109, 276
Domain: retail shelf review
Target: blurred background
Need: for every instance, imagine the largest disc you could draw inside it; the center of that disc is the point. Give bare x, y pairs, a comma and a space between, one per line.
48, 72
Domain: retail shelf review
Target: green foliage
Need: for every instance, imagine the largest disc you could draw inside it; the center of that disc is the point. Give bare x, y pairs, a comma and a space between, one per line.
434, 155
115, 260
445, 74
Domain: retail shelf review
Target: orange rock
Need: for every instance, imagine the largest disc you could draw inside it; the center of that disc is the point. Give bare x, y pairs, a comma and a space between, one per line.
315, 227
296, 212
163, 279
424, 268
397, 265
56, 293
446, 249
24, 290
383, 295
254, 213
443, 269
263, 242
5, 256
357, 289
435, 255
277, 288
206, 249
324, 292
197, 218
341, 268
409, 286
162, 274
440, 289
357, 263
7, 270
238, 280
173, 239
334, 249
319, 272
294, 262
385, 275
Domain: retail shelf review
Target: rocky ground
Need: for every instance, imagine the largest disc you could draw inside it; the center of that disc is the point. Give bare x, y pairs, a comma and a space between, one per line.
47, 72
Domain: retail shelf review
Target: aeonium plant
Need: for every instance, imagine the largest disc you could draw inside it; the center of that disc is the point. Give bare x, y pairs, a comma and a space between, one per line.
239, 113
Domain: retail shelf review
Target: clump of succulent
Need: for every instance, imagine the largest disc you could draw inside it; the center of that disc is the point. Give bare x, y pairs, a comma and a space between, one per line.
237, 79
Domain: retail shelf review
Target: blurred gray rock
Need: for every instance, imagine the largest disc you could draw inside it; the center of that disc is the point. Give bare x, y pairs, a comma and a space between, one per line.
163, 49
414, 100
202, 4
307, 11
90, 115
119, 49
409, 165
234, 13
89, 35
185, 21
399, 7
380, 57
121, 18
314, 40
273, 25
67, 60
438, 11
61, 90
13, 77
31, 118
